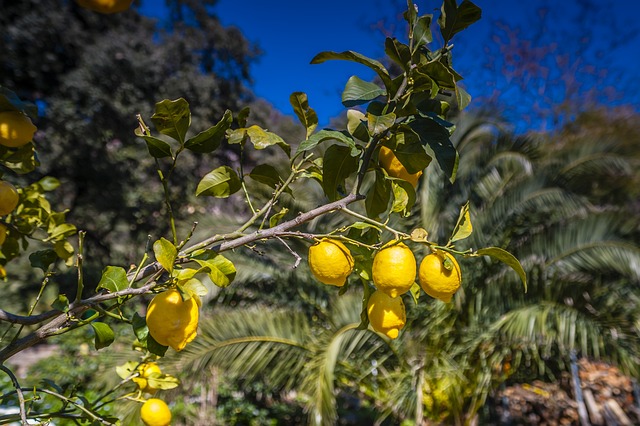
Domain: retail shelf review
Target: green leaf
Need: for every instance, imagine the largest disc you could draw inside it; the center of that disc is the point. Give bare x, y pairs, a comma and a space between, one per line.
463, 227
337, 166
378, 124
415, 292
440, 73
462, 97
210, 139
357, 124
172, 118
326, 135
268, 175
237, 136
162, 381
398, 52
378, 196
193, 287
139, 325
411, 14
262, 139
43, 259
104, 335
21, 160
48, 183
409, 150
157, 147
220, 269
241, 117
305, 114
422, 32
155, 347
437, 138
358, 92
219, 183
125, 370
356, 57
404, 196
60, 232
61, 303
165, 253
114, 278
506, 258
454, 18
273, 220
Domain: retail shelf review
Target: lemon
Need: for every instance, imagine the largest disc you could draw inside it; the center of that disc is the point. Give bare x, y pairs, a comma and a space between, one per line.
155, 412
386, 314
438, 281
330, 262
16, 129
394, 270
3, 234
8, 198
394, 167
171, 320
146, 370
105, 6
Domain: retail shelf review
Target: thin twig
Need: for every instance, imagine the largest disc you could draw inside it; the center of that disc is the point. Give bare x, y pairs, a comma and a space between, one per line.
293, 253
16, 384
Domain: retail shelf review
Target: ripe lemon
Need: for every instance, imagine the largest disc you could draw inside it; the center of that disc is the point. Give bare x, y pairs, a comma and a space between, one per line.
105, 6
16, 129
394, 270
436, 280
8, 197
394, 167
155, 412
171, 320
386, 314
145, 371
3, 234
330, 262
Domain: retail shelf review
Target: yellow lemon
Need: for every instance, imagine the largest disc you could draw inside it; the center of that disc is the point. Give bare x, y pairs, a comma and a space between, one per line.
3, 234
438, 281
155, 412
8, 197
146, 370
394, 167
330, 262
394, 270
105, 6
171, 320
386, 314
16, 129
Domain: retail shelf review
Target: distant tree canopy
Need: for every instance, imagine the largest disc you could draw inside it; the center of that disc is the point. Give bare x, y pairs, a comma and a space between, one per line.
91, 74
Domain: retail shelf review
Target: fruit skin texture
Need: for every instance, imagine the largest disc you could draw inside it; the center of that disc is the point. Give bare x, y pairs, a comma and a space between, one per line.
16, 129
330, 262
394, 167
394, 270
146, 370
106, 6
436, 280
8, 198
3, 234
172, 321
155, 412
386, 314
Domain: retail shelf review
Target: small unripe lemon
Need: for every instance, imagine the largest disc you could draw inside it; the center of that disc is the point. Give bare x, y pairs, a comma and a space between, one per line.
438, 281
155, 412
394, 167
3, 234
145, 371
386, 314
394, 270
16, 129
105, 6
8, 198
330, 262
171, 320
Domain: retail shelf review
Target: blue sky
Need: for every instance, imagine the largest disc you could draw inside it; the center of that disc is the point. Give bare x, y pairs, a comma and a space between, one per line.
291, 32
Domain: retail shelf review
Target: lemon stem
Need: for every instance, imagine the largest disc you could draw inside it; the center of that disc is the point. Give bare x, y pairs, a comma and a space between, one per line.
397, 234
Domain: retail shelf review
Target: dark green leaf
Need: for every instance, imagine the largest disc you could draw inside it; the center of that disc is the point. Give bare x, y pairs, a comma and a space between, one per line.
506, 258
104, 335
219, 183
114, 278
398, 52
172, 118
378, 124
454, 18
139, 324
165, 253
10, 101
155, 347
378, 196
358, 92
422, 32
462, 97
411, 14
157, 147
210, 139
326, 135
409, 150
241, 117
440, 73
43, 259
21, 160
268, 175
305, 114
357, 124
356, 57
437, 138
337, 165
61, 303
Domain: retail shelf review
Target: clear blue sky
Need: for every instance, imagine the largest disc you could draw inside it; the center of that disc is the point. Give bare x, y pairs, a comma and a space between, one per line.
291, 32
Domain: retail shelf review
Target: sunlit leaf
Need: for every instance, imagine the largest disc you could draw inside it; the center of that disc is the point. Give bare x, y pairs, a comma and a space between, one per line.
165, 253
210, 139
358, 92
262, 139
506, 258
304, 112
157, 147
378, 124
274, 219
114, 278
104, 335
172, 118
327, 135
219, 183
463, 227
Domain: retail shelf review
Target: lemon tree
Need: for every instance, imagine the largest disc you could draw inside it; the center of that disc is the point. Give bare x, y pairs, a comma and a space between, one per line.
368, 173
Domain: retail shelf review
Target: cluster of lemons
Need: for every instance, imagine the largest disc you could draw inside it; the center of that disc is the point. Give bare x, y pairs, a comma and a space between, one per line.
394, 267
154, 411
